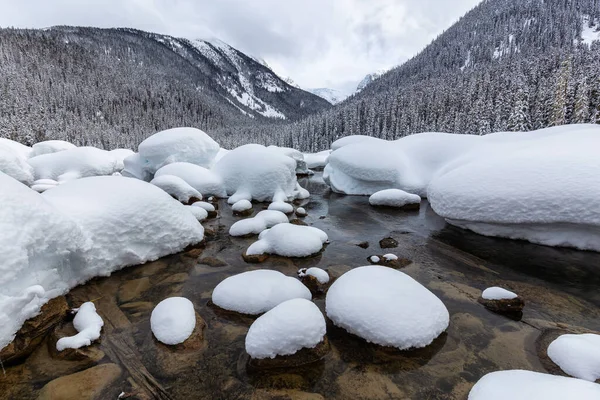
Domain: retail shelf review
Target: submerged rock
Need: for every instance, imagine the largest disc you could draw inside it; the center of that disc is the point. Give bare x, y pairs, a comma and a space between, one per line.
301, 357
363, 245
388, 243
88, 384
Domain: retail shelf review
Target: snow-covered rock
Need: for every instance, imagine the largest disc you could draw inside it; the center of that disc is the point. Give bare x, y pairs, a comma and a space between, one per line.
289, 240
178, 145
353, 139
317, 160
203, 204
13, 164
390, 257
527, 385
128, 221
498, 293
301, 212
255, 225
577, 355
88, 324
374, 259
321, 275
176, 187
200, 178
241, 206
50, 146
76, 163
258, 291
135, 167
285, 208
394, 198
253, 172
198, 212
386, 307
297, 156
173, 320
290, 326
120, 155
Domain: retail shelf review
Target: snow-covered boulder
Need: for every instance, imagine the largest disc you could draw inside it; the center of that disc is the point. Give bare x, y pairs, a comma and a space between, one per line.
173, 320
200, 178
255, 225
38, 245
258, 291
88, 324
386, 307
178, 145
284, 207
135, 167
242, 207
298, 157
289, 240
120, 155
319, 274
198, 212
50, 146
15, 165
528, 385
76, 163
291, 326
317, 160
498, 293
395, 198
577, 355
252, 172
128, 221
176, 187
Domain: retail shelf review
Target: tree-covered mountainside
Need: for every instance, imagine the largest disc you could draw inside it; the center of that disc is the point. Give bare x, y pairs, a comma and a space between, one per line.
115, 87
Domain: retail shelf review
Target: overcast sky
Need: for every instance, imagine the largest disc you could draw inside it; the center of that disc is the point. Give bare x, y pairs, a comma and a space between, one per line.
318, 43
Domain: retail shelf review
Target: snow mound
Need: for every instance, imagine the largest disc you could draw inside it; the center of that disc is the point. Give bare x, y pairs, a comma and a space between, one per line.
76, 163
178, 145
50, 146
527, 385
321, 275
285, 208
198, 212
253, 172
129, 221
38, 244
200, 178
173, 320
17, 148
498, 293
241, 206
317, 160
393, 198
577, 355
15, 165
386, 307
289, 240
291, 326
255, 225
258, 291
88, 324
176, 187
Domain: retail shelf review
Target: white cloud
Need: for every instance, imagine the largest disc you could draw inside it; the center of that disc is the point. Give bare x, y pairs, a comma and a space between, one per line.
331, 43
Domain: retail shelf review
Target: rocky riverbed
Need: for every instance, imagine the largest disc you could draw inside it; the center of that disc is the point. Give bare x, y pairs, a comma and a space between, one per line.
558, 286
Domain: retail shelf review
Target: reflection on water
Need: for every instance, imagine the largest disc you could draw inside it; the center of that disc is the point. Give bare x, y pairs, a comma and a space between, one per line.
559, 287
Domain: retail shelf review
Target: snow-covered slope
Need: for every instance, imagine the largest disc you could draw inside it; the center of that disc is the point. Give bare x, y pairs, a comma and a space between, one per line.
331, 95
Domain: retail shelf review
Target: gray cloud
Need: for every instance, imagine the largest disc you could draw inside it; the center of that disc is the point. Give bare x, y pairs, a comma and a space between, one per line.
318, 43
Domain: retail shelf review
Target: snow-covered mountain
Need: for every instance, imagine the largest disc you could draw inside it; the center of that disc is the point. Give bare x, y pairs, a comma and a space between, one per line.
369, 78
331, 95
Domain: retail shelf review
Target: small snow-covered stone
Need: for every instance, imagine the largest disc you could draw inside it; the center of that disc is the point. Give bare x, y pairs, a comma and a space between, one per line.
498, 293
285, 208
290, 326
176, 187
203, 204
88, 324
289, 240
577, 355
390, 257
301, 212
173, 320
395, 198
255, 225
198, 212
321, 275
255, 292
374, 259
386, 307
502, 301
241, 206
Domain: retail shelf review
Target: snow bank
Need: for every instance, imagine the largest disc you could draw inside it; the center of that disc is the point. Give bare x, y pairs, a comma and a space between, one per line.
292, 325
386, 307
50, 146
200, 178
527, 385
88, 324
173, 320
393, 198
76, 163
317, 160
178, 145
255, 292
176, 187
498, 293
321, 275
129, 221
255, 225
289, 240
253, 172
577, 355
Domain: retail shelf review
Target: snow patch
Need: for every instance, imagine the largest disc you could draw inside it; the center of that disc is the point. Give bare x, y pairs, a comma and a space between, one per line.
88, 324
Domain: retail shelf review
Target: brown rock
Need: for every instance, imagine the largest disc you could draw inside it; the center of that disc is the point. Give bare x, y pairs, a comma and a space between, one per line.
312, 283
35, 330
388, 243
255, 258
87, 384
363, 245
89, 354
411, 207
245, 213
212, 262
133, 289
297, 221
284, 394
301, 357
301, 214
504, 306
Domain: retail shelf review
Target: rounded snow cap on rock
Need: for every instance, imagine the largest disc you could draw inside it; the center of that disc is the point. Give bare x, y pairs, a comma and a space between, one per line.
289, 240
577, 355
386, 307
173, 320
292, 325
498, 293
255, 292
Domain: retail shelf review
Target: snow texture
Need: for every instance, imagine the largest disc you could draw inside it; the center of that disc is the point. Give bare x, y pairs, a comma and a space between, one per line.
393, 198
289, 240
242, 205
291, 326
577, 355
176, 187
178, 145
386, 307
200, 178
50, 146
317, 160
498, 293
173, 320
255, 225
258, 291
88, 324
528, 385
321, 275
